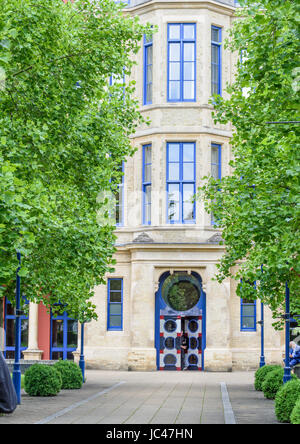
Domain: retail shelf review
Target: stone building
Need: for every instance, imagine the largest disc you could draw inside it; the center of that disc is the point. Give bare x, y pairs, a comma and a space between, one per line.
168, 246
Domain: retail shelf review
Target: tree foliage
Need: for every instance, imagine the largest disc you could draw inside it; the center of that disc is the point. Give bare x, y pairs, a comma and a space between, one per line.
63, 133
257, 206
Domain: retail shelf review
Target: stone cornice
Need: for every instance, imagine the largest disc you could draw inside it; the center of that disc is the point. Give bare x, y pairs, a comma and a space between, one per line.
191, 4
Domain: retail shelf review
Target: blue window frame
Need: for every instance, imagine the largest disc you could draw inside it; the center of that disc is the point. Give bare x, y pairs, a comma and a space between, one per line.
181, 185
216, 60
147, 183
148, 70
248, 315
10, 330
115, 304
119, 195
64, 337
216, 166
181, 62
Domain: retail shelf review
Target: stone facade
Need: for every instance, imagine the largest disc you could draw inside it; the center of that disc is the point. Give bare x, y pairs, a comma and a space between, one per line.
146, 252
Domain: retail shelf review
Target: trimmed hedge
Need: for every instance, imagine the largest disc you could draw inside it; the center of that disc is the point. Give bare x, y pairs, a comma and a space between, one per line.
261, 374
70, 373
285, 400
272, 383
295, 416
42, 380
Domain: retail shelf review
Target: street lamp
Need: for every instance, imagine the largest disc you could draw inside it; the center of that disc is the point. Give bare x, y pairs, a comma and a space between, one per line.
287, 368
82, 361
262, 362
17, 371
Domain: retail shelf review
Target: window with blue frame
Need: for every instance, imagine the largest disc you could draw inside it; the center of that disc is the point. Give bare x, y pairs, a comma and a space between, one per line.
181, 185
248, 315
10, 327
115, 304
119, 196
181, 62
64, 337
216, 60
148, 69
216, 166
147, 183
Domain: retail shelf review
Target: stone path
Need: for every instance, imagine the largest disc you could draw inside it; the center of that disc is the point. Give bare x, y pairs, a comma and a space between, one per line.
151, 398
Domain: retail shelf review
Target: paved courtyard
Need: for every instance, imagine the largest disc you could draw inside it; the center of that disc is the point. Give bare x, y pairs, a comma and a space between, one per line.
151, 398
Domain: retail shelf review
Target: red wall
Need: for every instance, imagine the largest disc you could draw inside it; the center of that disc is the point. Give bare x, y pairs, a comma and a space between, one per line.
44, 332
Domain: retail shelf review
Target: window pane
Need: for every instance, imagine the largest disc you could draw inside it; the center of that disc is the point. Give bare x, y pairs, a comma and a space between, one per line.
188, 152
174, 52
147, 213
174, 73
188, 211
148, 154
214, 154
248, 310
189, 32
188, 192
215, 74
248, 323
147, 172
188, 52
115, 309
24, 333
57, 333
10, 332
148, 195
174, 150
149, 55
215, 54
115, 321
215, 171
72, 335
149, 73
189, 90
173, 202
149, 92
189, 71
173, 171
215, 34
115, 284
116, 296
188, 171
174, 32
174, 90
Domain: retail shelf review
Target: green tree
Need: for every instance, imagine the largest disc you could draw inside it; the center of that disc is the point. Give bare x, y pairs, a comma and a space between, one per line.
257, 206
63, 133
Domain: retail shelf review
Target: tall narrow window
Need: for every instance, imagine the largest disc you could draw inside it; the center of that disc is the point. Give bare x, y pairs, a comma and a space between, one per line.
216, 59
115, 304
147, 184
64, 337
148, 69
216, 167
10, 330
248, 315
181, 182
119, 195
182, 62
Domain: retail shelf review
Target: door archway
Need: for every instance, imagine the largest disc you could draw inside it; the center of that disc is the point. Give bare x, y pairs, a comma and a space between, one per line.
180, 305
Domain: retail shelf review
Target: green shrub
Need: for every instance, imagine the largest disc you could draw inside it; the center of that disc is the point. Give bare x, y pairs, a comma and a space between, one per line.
42, 380
261, 374
295, 416
272, 383
285, 400
70, 373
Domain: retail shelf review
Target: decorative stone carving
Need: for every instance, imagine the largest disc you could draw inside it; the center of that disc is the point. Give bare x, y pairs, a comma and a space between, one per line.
143, 238
215, 239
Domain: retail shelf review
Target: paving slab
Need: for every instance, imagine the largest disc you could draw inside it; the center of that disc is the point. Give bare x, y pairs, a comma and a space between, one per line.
114, 397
